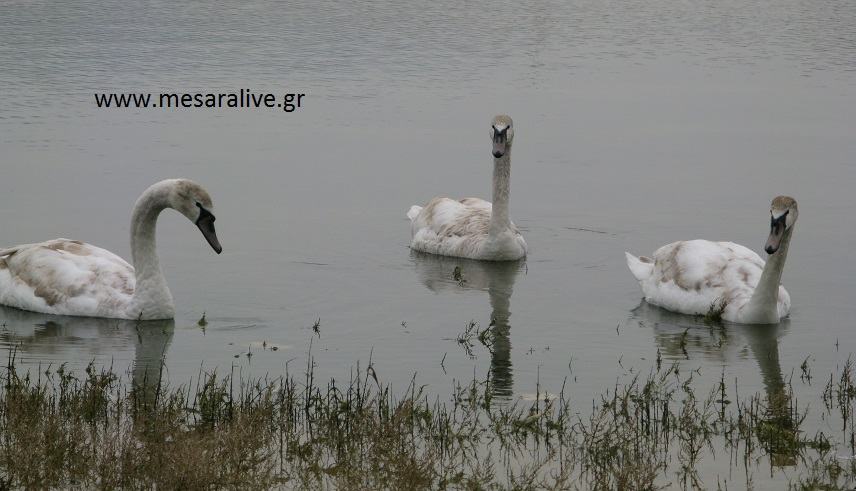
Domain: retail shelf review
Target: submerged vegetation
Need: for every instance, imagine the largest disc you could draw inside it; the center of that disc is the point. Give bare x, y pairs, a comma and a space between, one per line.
60, 430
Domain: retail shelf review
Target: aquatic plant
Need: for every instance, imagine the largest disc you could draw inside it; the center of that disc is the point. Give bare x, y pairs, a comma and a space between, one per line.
61, 430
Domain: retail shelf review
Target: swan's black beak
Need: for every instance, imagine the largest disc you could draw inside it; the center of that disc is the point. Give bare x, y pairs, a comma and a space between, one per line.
205, 222
777, 231
500, 138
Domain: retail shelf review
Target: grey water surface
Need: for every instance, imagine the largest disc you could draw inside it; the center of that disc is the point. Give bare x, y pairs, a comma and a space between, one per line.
637, 124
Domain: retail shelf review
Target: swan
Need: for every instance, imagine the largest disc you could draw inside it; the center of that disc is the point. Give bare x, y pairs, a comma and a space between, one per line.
700, 276
69, 277
472, 227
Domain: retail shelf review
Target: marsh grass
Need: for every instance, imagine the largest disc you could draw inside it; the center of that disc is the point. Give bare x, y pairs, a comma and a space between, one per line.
59, 430
839, 396
713, 317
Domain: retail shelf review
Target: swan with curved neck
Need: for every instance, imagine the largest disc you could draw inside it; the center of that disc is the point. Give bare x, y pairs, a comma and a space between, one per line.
69, 277
473, 228
701, 277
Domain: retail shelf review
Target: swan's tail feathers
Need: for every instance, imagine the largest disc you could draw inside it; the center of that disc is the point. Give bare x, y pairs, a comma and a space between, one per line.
641, 266
413, 212
10, 251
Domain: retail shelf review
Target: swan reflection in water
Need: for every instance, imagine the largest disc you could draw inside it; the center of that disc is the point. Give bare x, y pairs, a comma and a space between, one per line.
458, 275
681, 336
52, 339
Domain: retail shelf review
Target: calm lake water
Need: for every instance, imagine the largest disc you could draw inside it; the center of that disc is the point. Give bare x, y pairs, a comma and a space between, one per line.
637, 124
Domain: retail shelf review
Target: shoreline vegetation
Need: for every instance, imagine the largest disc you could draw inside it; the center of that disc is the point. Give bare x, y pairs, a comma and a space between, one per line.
94, 430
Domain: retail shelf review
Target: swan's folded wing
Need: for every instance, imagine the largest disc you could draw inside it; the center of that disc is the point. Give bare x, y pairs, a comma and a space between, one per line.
738, 251
784, 303
686, 276
692, 264
446, 217
64, 276
691, 276
477, 203
453, 228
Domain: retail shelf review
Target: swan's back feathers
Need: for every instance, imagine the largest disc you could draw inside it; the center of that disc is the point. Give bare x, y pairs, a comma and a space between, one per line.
64, 276
461, 228
446, 217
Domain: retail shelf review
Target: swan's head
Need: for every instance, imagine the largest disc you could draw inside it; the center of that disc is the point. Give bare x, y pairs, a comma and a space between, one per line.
502, 133
783, 216
194, 202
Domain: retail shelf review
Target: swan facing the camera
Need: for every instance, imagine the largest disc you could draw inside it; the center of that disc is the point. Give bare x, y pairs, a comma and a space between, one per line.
473, 228
699, 276
69, 277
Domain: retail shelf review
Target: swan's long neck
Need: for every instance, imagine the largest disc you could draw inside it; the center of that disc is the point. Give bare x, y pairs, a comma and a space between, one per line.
499, 220
152, 299
764, 303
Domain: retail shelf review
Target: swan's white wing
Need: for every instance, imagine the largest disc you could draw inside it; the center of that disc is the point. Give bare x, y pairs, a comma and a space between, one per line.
783, 304
64, 276
460, 228
449, 227
691, 276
